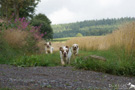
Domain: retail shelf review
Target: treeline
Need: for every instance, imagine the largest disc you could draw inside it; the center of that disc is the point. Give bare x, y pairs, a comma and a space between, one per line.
89, 27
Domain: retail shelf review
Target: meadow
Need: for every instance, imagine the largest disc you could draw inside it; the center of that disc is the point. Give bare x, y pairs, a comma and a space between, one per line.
118, 48
20, 48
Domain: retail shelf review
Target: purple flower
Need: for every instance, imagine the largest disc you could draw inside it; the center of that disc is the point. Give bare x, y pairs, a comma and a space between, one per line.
42, 35
15, 20
45, 32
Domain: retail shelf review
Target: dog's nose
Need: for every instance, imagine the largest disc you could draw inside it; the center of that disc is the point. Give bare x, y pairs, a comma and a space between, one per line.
74, 48
65, 54
47, 46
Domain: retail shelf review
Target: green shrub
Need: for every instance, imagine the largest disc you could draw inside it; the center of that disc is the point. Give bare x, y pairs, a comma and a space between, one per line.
79, 35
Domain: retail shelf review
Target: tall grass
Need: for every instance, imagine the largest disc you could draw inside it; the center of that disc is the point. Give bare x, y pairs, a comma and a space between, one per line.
118, 48
15, 38
124, 37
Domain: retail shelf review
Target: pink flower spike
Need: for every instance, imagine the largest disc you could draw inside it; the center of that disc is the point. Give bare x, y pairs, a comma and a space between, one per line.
42, 35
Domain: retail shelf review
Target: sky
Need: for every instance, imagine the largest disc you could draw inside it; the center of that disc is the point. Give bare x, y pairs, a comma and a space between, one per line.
68, 11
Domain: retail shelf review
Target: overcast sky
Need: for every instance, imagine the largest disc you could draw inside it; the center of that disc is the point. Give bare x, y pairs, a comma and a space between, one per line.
67, 11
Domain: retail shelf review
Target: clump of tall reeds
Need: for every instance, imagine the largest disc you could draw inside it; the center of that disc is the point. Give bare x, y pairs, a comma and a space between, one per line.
15, 38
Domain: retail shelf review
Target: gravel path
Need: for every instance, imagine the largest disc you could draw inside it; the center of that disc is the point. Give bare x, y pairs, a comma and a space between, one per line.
59, 78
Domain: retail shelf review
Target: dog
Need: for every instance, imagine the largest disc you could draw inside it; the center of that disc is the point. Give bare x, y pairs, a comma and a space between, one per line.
75, 49
131, 86
48, 48
65, 55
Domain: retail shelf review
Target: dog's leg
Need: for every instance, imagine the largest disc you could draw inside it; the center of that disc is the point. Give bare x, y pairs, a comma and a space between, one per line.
62, 62
69, 61
46, 52
51, 51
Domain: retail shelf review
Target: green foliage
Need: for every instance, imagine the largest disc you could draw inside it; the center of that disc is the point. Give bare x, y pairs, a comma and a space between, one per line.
6, 52
79, 35
37, 60
42, 17
30, 47
113, 64
5, 89
5, 26
61, 39
20, 8
28, 8
89, 27
44, 22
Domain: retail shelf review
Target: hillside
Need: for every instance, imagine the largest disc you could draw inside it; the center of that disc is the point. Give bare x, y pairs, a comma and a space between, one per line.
89, 27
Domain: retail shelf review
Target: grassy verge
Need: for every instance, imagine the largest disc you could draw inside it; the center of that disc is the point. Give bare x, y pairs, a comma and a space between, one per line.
117, 64
37, 60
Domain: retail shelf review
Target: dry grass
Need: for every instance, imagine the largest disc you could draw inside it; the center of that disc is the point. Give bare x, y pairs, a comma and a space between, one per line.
89, 43
123, 37
56, 45
41, 46
15, 38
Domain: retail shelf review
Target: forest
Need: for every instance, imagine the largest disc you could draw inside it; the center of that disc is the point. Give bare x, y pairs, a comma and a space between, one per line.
89, 27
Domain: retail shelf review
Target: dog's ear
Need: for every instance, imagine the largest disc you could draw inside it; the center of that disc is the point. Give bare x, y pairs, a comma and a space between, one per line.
77, 46
67, 51
67, 47
50, 43
60, 48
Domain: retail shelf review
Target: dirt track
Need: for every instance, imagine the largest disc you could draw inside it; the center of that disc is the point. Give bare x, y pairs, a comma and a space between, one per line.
59, 78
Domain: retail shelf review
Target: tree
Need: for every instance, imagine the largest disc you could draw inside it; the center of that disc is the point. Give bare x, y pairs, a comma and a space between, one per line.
79, 35
20, 8
45, 23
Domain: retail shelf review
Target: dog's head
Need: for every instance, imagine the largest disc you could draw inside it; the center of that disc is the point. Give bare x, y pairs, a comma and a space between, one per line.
75, 47
64, 50
48, 44
129, 84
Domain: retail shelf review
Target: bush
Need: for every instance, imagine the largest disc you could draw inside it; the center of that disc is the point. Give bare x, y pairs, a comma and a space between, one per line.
79, 35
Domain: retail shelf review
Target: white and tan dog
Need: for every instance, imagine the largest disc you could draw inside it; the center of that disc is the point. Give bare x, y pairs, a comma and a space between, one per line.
48, 48
65, 55
75, 49
131, 86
